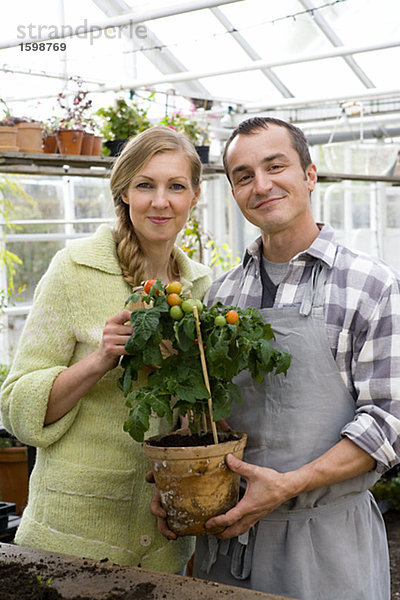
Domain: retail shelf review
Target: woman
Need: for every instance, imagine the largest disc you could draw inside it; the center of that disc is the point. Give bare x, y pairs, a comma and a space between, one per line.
88, 495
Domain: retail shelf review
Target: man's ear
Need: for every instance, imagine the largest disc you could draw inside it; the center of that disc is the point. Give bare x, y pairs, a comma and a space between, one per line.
311, 176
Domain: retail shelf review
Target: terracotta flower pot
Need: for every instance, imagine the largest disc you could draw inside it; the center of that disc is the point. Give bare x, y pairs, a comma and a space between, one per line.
69, 141
50, 144
8, 139
87, 143
97, 144
14, 476
30, 137
194, 482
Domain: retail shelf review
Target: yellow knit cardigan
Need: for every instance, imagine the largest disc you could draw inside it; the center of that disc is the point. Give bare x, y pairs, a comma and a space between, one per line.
87, 495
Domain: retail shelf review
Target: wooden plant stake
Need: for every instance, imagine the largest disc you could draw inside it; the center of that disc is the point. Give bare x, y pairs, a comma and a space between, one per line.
205, 373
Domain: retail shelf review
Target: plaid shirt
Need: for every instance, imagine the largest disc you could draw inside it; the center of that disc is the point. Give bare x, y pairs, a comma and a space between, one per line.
362, 315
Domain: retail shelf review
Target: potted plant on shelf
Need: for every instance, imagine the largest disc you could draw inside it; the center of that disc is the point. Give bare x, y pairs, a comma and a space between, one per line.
193, 130
121, 121
20, 133
72, 124
8, 131
206, 348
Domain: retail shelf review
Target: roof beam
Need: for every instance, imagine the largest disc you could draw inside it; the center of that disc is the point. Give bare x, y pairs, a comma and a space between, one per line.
254, 66
243, 43
164, 61
336, 41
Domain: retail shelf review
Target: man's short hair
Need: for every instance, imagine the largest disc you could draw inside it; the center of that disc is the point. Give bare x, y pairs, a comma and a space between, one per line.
254, 124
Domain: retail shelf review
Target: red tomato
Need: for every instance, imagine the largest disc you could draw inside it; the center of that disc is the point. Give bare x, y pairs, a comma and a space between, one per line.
148, 285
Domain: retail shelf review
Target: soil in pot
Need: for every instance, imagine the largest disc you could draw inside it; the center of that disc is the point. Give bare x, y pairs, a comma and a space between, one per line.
194, 481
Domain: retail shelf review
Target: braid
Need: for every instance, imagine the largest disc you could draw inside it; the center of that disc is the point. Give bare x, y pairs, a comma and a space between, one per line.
129, 251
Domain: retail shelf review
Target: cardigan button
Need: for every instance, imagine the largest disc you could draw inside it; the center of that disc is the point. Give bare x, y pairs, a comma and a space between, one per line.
145, 540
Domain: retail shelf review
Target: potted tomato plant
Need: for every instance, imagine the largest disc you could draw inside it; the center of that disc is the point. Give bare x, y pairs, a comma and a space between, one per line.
206, 349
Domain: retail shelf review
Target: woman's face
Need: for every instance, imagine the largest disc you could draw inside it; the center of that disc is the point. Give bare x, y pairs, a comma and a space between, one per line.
160, 197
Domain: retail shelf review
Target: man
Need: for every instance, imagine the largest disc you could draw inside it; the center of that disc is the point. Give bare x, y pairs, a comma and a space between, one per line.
306, 526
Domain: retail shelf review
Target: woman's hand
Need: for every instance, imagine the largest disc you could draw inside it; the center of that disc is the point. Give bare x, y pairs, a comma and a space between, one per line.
157, 510
76, 381
115, 335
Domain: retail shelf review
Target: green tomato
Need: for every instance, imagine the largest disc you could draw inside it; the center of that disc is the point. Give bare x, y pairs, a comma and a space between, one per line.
187, 305
176, 313
219, 321
199, 305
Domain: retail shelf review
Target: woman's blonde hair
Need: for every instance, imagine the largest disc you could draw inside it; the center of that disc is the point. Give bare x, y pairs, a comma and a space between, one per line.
138, 151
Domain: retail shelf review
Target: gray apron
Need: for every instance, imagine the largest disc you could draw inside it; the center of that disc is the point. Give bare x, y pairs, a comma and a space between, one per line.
327, 544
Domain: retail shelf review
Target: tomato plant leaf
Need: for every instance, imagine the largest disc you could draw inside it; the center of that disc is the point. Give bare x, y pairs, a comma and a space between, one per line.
144, 322
133, 298
283, 361
138, 421
152, 355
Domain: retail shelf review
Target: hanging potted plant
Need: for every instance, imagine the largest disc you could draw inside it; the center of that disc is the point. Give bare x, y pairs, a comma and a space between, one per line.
121, 121
207, 349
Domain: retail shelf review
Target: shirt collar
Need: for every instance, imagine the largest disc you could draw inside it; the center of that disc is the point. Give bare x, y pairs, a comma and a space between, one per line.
323, 248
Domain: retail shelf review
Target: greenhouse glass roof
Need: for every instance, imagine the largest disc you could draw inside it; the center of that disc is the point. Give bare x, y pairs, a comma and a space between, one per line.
303, 59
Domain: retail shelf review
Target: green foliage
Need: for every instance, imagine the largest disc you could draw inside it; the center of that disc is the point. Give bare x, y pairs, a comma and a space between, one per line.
194, 241
190, 127
9, 260
123, 120
388, 488
177, 381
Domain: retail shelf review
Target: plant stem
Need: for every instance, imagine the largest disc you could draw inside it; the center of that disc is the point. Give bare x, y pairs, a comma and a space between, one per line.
204, 421
205, 374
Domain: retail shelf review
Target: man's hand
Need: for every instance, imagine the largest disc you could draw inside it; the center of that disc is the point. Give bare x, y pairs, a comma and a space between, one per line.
266, 490
157, 510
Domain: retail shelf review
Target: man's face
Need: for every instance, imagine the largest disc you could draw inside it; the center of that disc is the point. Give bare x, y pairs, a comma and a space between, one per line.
268, 182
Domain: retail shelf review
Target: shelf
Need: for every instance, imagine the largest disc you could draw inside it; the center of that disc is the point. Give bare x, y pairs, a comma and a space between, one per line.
100, 166
55, 164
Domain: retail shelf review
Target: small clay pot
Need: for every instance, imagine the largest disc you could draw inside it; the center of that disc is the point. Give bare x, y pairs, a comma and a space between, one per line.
69, 141
97, 144
87, 143
8, 139
50, 144
195, 483
30, 137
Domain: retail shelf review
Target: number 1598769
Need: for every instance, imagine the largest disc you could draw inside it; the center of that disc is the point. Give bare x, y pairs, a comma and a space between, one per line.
42, 46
